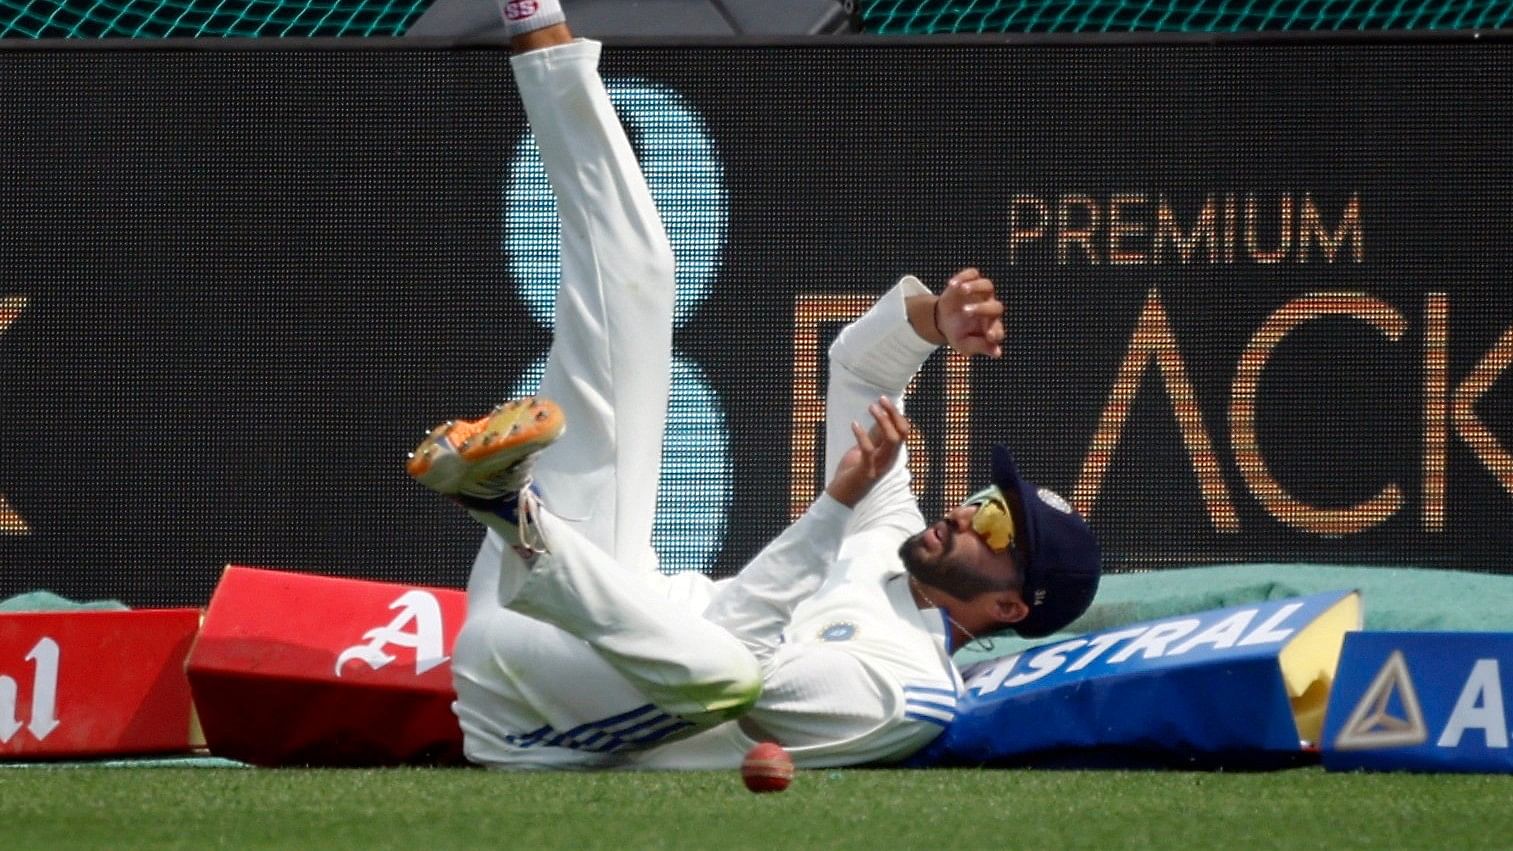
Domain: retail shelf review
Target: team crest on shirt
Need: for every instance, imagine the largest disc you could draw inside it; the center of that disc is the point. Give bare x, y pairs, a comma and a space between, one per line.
838, 631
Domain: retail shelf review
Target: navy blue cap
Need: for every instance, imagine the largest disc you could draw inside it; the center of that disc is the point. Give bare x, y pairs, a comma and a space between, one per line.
1059, 554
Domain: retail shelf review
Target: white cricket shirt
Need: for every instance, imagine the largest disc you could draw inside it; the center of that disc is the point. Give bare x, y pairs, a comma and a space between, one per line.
854, 672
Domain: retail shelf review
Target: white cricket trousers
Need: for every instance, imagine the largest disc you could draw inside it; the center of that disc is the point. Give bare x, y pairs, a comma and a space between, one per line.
592, 651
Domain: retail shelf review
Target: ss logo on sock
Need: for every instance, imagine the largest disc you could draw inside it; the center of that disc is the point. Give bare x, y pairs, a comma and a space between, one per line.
519, 10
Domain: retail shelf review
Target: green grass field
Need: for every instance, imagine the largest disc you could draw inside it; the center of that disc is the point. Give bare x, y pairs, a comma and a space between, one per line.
424, 810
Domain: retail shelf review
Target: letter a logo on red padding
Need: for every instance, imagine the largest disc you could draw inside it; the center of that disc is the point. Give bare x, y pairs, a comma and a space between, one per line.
418, 609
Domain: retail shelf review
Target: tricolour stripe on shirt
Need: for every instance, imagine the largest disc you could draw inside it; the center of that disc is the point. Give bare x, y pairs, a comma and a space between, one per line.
930, 704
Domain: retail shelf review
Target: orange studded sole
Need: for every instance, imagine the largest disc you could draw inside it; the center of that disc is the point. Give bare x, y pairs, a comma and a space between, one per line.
526, 421
420, 460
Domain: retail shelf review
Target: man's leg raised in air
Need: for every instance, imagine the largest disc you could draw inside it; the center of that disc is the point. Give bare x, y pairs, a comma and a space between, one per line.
528, 691
609, 367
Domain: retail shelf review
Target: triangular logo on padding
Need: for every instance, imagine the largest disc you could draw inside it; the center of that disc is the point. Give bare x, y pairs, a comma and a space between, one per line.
1372, 724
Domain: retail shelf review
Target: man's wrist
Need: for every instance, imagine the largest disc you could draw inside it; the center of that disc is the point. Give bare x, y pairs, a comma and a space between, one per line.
828, 501
924, 317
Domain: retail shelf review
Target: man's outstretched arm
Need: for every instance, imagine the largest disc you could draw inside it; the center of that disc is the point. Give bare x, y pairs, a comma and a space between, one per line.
878, 354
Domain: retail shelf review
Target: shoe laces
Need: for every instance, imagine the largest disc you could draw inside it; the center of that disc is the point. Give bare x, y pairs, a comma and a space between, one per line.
526, 506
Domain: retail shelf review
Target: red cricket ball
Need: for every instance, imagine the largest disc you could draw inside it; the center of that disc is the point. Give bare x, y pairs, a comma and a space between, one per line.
767, 768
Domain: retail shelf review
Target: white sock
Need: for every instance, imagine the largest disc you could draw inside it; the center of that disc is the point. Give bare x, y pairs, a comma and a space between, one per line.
523, 16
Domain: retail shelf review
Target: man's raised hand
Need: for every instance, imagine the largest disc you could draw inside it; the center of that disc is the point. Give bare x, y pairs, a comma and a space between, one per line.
873, 456
970, 316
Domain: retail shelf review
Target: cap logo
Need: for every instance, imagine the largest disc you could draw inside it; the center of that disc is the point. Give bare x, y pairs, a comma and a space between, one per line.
1039, 596
1054, 500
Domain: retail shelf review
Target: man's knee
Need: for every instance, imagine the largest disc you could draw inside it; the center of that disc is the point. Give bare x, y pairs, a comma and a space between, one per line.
644, 285
718, 699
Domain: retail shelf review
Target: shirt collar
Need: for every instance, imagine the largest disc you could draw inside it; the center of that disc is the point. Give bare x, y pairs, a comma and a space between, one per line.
931, 620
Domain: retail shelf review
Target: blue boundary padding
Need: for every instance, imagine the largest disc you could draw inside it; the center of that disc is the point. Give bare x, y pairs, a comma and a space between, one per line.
1416, 600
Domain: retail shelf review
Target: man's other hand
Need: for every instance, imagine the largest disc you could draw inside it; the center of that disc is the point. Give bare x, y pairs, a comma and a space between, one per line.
874, 454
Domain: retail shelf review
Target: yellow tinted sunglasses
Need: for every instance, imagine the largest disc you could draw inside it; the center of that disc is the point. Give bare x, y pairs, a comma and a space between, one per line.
993, 520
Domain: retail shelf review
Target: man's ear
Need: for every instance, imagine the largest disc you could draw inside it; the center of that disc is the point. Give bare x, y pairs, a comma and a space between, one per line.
1009, 607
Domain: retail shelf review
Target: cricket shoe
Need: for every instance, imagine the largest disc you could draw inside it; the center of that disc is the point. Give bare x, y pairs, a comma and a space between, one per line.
485, 464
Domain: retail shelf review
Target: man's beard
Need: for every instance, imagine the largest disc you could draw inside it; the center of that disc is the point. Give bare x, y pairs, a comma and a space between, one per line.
942, 571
